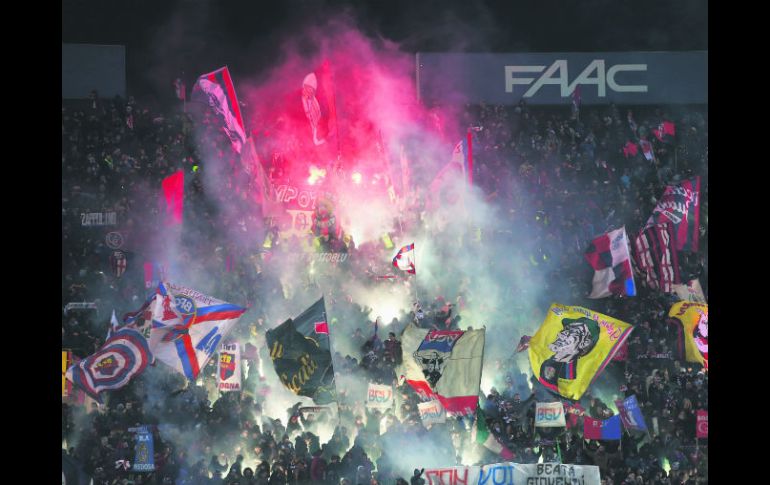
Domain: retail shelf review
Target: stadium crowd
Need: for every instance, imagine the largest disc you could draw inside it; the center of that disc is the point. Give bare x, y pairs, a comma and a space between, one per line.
562, 175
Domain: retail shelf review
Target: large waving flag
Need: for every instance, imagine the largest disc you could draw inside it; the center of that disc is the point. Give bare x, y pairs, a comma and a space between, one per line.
656, 257
444, 365
404, 259
301, 355
608, 255
573, 346
216, 90
680, 206
187, 327
122, 357
319, 104
693, 335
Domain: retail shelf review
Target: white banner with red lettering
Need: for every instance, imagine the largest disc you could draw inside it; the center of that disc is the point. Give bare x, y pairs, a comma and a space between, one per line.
380, 397
514, 473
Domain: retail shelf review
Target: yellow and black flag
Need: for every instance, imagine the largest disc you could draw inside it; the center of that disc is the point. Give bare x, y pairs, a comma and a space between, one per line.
301, 355
693, 335
573, 346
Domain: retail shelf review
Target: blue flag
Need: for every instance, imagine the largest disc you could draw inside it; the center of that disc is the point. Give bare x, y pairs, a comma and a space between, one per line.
630, 414
611, 428
144, 460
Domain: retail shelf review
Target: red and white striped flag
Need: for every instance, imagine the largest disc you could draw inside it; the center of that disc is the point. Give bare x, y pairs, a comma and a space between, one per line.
656, 257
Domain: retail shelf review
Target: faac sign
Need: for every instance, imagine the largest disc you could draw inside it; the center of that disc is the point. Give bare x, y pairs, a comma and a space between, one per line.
551, 79
596, 73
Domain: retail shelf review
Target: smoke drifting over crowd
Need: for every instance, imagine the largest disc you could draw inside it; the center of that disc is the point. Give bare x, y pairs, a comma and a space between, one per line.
384, 138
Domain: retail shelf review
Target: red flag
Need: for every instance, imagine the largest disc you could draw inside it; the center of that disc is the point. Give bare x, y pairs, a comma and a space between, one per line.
321, 327
665, 132
574, 412
173, 192
630, 149
702, 426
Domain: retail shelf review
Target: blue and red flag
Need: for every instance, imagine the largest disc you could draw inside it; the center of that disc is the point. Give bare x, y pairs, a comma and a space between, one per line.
122, 357
404, 259
154, 273
601, 429
187, 327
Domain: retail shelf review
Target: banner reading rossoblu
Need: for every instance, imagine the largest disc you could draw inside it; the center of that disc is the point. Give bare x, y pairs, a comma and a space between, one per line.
514, 473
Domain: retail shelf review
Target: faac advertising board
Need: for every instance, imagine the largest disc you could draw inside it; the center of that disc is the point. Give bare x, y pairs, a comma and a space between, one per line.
636, 78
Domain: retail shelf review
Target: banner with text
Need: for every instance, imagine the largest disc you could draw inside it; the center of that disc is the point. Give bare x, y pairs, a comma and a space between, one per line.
432, 412
229, 372
514, 473
88, 219
549, 415
144, 458
380, 397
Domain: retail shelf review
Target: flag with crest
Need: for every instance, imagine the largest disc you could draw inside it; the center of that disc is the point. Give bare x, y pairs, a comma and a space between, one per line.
187, 327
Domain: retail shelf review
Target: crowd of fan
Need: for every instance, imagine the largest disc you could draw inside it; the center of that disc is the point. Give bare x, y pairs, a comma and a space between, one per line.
563, 177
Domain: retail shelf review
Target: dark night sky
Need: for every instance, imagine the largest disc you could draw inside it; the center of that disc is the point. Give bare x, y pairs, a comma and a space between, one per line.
193, 35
